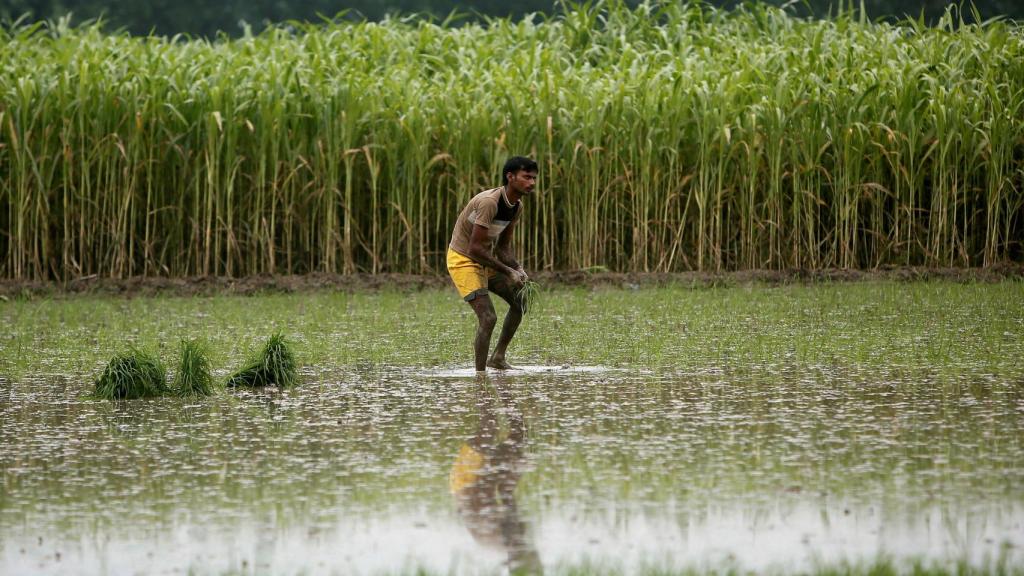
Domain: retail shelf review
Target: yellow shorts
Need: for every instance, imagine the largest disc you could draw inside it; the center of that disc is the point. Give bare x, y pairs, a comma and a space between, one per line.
469, 277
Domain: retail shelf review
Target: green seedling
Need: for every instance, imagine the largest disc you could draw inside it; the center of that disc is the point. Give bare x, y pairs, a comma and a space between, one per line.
529, 295
135, 374
273, 366
193, 377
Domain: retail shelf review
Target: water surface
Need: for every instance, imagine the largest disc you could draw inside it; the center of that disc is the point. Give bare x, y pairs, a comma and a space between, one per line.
366, 471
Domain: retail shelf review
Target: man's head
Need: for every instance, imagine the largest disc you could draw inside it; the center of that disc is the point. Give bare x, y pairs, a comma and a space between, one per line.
519, 174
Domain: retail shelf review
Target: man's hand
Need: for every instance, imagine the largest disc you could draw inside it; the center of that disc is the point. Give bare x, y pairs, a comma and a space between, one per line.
519, 277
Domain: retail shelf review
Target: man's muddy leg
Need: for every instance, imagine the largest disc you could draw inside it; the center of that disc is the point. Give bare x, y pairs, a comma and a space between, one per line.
501, 286
486, 318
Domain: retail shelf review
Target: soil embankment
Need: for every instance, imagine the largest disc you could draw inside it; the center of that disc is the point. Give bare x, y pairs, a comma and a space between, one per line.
208, 286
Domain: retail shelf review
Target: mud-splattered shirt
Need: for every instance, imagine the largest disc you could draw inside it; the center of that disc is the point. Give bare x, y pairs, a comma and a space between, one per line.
489, 208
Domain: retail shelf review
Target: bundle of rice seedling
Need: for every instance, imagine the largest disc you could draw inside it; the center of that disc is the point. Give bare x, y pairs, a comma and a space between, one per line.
529, 295
193, 377
273, 366
136, 374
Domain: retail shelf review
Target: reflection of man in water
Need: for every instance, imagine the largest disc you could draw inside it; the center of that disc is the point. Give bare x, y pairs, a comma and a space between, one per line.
483, 480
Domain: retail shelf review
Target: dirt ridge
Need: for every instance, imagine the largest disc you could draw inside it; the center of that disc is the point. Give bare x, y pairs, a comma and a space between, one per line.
269, 284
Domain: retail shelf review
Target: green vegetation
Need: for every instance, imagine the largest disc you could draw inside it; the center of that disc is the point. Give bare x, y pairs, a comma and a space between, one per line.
941, 329
193, 377
670, 137
529, 295
234, 16
135, 374
274, 365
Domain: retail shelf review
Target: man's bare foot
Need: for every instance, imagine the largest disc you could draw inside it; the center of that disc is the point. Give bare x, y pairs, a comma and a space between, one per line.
500, 364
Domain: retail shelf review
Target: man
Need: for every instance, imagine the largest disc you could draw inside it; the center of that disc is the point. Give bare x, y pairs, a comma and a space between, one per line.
480, 258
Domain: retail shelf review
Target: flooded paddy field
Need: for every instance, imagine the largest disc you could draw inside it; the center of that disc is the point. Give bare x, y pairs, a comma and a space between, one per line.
814, 429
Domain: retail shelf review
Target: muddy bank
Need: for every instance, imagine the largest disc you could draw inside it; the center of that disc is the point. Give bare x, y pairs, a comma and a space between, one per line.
209, 286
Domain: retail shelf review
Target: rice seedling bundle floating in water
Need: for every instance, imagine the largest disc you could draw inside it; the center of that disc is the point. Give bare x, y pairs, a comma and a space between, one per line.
273, 366
193, 377
135, 374
529, 295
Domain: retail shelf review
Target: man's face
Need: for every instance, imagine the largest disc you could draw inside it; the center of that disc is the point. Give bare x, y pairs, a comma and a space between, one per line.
522, 181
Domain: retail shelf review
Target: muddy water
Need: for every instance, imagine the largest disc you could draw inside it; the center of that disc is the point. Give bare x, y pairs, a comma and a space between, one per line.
396, 471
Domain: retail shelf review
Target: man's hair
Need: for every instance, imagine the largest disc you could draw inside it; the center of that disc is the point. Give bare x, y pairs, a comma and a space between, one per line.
515, 164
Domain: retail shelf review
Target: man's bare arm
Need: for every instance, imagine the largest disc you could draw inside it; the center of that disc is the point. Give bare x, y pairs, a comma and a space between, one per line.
481, 255
504, 248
